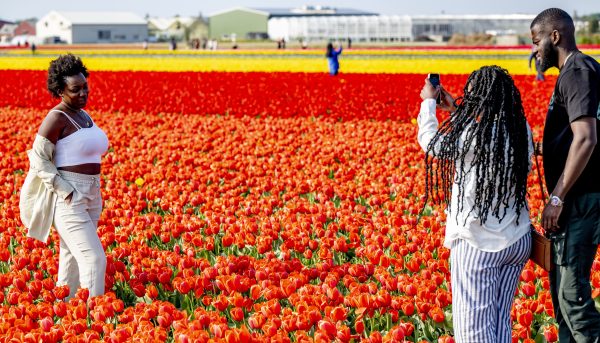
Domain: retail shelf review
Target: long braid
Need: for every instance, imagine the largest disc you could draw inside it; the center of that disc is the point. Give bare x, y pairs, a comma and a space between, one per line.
489, 122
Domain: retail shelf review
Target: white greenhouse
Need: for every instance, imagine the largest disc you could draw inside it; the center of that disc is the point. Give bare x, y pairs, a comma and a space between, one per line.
372, 28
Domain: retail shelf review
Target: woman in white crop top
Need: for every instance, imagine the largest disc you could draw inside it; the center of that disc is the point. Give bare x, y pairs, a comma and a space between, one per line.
66, 159
477, 162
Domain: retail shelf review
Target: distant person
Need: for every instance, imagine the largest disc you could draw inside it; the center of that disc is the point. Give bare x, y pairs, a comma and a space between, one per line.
349, 42
281, 43
173, 44
33, 48
538, 68
332, 55
212, 44
145, 44
304, 44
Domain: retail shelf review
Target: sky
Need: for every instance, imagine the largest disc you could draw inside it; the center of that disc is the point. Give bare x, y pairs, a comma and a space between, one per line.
22, 9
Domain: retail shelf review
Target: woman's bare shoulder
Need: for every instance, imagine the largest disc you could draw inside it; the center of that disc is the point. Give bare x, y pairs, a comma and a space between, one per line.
52, 125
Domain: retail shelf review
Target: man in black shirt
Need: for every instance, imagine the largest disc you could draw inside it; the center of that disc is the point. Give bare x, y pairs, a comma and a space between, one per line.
572, 170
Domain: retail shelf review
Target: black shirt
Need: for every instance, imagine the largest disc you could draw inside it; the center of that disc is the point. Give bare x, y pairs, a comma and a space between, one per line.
576, 95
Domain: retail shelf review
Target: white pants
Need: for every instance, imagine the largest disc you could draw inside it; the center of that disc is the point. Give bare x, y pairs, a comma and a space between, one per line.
483, 290
82, 261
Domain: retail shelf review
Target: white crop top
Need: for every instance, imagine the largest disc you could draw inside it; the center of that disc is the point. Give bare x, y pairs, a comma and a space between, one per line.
86, 145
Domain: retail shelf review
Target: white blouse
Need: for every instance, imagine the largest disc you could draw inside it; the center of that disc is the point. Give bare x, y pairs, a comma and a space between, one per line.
492, 236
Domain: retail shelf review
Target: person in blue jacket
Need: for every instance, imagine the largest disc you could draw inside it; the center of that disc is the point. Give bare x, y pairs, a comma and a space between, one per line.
332, 58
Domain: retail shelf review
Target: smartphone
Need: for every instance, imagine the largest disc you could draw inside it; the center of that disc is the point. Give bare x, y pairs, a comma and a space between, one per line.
434, 79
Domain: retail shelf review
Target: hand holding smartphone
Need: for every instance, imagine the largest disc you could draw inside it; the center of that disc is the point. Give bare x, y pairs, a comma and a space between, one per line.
434, 79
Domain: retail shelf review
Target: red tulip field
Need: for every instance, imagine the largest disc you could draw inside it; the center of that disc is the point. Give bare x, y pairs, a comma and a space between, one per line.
251, 207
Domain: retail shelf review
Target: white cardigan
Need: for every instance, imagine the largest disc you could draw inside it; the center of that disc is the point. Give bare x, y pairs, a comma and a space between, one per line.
40, 190
493, 235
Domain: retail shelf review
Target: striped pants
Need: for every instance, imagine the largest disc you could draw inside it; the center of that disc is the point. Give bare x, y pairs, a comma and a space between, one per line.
483, 289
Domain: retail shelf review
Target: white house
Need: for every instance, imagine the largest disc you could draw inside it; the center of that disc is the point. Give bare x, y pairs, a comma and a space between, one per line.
7, 32
180, 28
91, 27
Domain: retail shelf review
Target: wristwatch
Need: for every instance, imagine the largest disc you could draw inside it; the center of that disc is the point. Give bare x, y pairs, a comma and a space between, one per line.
555, 201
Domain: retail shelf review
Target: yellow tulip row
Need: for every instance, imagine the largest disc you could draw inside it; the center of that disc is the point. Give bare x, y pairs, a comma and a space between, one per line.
289, 52
275, 64
416, 51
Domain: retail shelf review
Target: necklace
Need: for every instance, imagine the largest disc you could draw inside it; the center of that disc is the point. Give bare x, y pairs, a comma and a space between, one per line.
78, 113
569, 55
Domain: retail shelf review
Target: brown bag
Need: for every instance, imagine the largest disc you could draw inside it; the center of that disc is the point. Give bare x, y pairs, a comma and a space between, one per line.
540, 244
540, 250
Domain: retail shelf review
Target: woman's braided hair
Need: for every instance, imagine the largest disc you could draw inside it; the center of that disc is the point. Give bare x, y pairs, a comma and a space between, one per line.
490, 122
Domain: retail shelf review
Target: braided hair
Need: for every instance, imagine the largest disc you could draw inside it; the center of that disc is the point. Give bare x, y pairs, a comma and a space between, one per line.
489, 122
